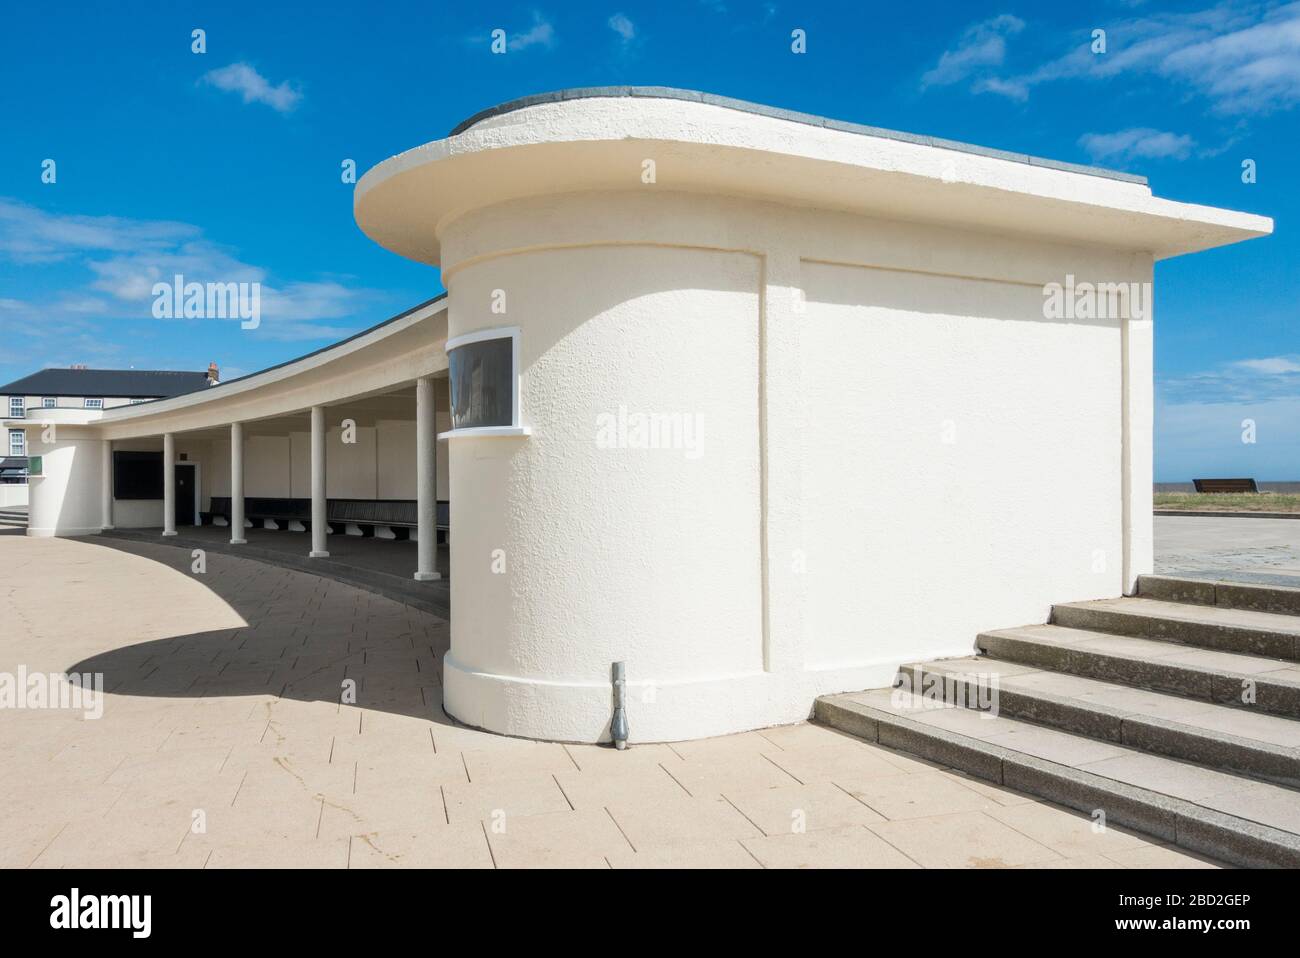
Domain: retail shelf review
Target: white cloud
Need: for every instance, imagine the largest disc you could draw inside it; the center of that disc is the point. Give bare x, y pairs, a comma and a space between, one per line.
1138, 143
624, 27
125, 258
1199, 421
253, 87
1272, 366
542, 33
1238, 381
1244, 58
30, 235
1007, 88
1196, 439
1248, 70
981, 46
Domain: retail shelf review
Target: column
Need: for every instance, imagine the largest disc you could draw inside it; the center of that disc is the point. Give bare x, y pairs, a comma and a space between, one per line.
169, 484
319, 526
426, 482
107, 483
237, 484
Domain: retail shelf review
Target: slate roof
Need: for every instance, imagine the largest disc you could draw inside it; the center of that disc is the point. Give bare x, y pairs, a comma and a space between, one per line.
116, 383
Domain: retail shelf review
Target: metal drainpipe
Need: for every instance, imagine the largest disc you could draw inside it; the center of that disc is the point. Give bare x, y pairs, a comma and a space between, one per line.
618, 724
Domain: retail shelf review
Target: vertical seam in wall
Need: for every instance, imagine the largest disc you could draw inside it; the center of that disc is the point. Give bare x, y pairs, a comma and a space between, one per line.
1126, 452
763, 502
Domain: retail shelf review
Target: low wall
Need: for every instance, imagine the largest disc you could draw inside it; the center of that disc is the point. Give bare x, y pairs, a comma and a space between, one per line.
13, 494
1263, 486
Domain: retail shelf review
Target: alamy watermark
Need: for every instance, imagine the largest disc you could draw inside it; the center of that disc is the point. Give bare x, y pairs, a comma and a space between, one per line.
79, 691
181, 300
971, 690
651, 430
1075, 300
76, 910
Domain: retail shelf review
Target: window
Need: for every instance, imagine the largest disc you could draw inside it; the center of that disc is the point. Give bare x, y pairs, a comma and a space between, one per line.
17, 442
136, 402
94, 404
16, 410
483, 369
137, 475
49, 402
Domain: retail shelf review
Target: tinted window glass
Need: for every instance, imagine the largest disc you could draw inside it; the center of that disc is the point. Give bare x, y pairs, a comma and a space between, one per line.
482, 384
137, 475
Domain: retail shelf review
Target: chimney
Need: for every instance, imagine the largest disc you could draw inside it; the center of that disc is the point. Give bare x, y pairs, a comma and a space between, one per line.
214, 375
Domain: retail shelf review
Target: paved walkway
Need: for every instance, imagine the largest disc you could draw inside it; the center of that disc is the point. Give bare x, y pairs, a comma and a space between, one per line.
392, 556
223, 743
384, 566
1250, 549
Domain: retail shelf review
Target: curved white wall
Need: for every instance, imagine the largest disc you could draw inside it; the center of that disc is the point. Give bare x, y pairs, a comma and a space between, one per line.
611, 551
898, 452
66, 499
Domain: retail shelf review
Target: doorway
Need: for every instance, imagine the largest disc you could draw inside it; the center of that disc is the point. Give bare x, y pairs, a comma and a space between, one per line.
184, 493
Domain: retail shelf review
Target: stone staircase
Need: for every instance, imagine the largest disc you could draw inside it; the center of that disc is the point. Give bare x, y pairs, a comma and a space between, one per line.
1175, 712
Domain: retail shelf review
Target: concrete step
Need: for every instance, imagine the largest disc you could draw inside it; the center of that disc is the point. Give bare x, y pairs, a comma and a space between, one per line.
1269, 685
1239, 739
1232, 818
1227, 595
1228, 630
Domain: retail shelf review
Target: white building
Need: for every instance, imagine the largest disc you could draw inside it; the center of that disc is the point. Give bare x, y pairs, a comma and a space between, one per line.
79, 387
758, 403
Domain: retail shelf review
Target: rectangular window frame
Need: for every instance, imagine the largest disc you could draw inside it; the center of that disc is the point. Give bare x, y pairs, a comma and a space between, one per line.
22, 442
516, 427
138, 475
16, 408
49, 402
89, 403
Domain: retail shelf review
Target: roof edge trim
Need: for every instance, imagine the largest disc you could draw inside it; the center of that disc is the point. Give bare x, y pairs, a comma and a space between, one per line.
793, 116
223, 388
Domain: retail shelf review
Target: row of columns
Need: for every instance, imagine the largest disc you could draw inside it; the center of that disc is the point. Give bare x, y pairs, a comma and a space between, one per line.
426, 472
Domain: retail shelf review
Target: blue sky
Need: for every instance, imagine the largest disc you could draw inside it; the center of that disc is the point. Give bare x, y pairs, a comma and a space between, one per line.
225, 165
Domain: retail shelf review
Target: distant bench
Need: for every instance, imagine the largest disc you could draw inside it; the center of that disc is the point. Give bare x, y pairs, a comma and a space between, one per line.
366, 515
1225, 485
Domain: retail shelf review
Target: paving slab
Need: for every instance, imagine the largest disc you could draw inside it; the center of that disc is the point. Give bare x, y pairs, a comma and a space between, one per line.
291, 776
964, 840
792, 809
849, 846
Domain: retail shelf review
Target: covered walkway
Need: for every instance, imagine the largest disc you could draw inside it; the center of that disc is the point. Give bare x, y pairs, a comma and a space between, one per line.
332, 458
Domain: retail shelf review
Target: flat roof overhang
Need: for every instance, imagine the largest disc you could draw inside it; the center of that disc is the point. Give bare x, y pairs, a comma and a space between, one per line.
598, 141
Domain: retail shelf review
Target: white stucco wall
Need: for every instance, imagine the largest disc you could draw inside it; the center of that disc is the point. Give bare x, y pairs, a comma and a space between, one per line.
610, 553
960, 467
900, 451
65, 499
